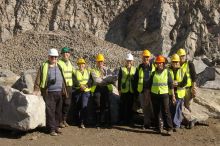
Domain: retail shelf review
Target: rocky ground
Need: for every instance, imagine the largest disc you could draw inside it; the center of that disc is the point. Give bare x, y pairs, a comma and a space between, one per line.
118, 135
28, 50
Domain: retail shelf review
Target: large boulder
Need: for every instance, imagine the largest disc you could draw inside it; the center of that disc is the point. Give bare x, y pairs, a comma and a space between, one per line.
207, 75
7, 77
21, 111
206, 104
200, 66
214, 84
26, 81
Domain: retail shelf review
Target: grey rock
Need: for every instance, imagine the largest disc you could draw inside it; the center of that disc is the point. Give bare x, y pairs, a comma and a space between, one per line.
199, 65
207, 103
20, 111
207, 75
7, 77
26, 81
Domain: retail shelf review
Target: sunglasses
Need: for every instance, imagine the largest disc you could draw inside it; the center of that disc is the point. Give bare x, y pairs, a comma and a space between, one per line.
53, 57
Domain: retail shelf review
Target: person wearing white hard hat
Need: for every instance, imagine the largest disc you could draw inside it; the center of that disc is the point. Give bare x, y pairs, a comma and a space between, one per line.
126, 90
50, 81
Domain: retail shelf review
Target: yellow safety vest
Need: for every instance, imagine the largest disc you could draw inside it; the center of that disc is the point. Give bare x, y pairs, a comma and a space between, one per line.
83, 78
68, 71
141, 78
185, 68
97, 72
44, 74
126, 79
181, 92
160, 83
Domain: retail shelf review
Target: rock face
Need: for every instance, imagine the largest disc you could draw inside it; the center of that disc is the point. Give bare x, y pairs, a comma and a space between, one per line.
21, 111
161, 25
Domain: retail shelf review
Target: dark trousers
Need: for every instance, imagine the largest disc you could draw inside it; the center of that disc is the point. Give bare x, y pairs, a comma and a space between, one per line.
53, 103
160, 104
66, 103
82, 99
126, 106
102, 105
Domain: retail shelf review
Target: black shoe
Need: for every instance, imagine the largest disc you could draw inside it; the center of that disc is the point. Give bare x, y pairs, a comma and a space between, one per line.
145, 127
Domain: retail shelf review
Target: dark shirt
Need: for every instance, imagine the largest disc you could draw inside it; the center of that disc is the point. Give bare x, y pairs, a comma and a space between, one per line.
147, 71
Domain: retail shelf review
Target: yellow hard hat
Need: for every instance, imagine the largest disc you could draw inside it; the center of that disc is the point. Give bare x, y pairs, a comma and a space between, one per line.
81, 61
175, 57
181, 52
146, 53
100, 57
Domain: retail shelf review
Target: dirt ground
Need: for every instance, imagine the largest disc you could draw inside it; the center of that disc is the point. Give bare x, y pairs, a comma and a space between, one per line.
117, 135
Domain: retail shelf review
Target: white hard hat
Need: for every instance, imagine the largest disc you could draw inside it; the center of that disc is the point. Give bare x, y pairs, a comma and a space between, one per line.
129, 57
53, 52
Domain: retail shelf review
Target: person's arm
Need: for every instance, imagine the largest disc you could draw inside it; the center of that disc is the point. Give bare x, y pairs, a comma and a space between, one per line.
170, 81
147, 85
192, 72
119, 79
136, 78
36, 90
170, 86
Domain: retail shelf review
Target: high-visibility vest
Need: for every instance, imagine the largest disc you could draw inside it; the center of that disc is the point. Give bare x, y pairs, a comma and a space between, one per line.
44, 74
98, 74
83, 78
126, 79
181, 92
160, 83
68, 71
141, 78
185, 68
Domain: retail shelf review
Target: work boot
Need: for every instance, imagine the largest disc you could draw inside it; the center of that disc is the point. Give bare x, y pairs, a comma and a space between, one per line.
169, 132
82, 126
53, 133
62, 125
65, 123
58, 131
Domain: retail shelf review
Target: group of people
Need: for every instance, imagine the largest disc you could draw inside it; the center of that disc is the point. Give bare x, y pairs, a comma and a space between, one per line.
164, 90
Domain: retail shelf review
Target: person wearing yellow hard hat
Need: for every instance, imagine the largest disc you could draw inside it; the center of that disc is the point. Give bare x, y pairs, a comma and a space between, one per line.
51, 83
189, 68
126, 90
101, 90
142, 76
82, 93
68, 72
179, 82
158, 87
